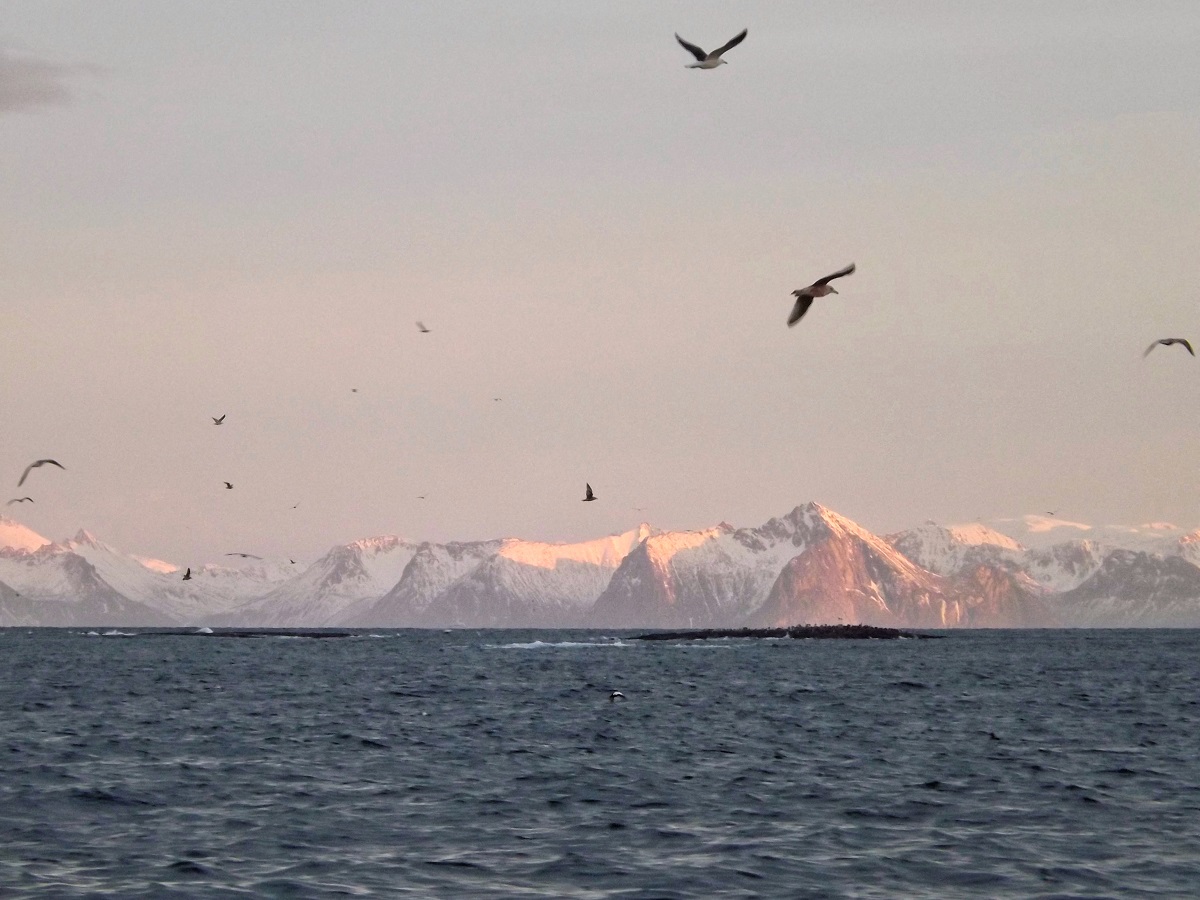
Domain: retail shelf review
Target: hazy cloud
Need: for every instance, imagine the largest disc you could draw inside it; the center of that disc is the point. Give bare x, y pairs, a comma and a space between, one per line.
29, 83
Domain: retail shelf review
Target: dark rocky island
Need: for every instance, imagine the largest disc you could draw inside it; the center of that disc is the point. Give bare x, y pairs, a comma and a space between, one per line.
827, 632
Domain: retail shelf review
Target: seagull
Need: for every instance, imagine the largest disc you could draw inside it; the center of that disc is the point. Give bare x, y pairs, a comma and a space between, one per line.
187, 576
244, 555
217, 421
589, 496
819, 288
36, 464
421, 328
228, 486
19, 500
615, 696
1166, 342
709, 60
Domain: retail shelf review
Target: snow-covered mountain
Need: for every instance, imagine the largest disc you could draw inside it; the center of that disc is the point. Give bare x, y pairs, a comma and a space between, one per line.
432, 569
954, 549
527, 584
56, 586
322, 594
16, 536
718, 577
1133, 588
811, 565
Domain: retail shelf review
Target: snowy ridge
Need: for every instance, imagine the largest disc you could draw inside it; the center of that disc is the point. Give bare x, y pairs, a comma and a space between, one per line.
15, 536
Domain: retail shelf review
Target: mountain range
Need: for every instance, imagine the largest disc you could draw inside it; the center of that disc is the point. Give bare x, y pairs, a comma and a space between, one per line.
808, 566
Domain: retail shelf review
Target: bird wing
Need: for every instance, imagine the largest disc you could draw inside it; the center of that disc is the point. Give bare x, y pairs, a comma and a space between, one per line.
1188, 344
692, 48
803, 302
1145, 353
589, 493
733, 42
837, 274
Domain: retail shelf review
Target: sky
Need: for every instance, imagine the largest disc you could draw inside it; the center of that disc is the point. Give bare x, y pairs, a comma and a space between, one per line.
242, 209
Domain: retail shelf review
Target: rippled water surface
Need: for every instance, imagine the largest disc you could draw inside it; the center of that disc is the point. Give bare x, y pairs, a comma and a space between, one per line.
492, 764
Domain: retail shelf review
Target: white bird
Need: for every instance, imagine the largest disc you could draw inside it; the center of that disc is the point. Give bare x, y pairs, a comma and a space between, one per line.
710, 60
36, 464
615, 696
819, 288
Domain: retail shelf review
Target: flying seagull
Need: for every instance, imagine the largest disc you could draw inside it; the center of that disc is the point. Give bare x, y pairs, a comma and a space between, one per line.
187, 576
19, 500
217, 421
709, 60
244, 555
421, 328
589, 496
228, 486
1167, 342
819, 288
36, 464
615, 696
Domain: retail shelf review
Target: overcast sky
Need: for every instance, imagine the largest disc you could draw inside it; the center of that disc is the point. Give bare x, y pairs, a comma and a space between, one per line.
243, 208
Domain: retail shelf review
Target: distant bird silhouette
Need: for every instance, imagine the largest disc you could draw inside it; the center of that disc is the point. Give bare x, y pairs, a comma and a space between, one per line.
292, 561
710, 60
37, 464
244, 555
1166, 342
19, 500
1052, 512
217, 421
615, 696
421, 328
228, 486
420, 496
589, 496
187, 576
820, 288
354, 390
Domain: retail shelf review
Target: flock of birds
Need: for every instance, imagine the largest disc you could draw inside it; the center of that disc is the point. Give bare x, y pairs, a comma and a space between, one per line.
804, 298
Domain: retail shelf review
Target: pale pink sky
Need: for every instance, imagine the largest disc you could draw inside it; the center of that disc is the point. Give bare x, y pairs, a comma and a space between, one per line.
242, 209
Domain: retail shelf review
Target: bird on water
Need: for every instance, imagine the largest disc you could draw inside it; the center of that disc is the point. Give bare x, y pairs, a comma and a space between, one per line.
589, 496
615, 696
710, 60
37, 464
1167, 342
819, 288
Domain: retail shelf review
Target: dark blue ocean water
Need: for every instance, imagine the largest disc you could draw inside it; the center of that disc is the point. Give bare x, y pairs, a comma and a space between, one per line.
492, 764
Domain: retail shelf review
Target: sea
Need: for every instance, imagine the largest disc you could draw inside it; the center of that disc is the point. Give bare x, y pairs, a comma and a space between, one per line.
495, 764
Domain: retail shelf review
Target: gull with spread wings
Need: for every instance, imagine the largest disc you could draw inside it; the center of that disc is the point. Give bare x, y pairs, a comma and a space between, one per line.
1167, 342
710, 60
819, 288
37, 464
